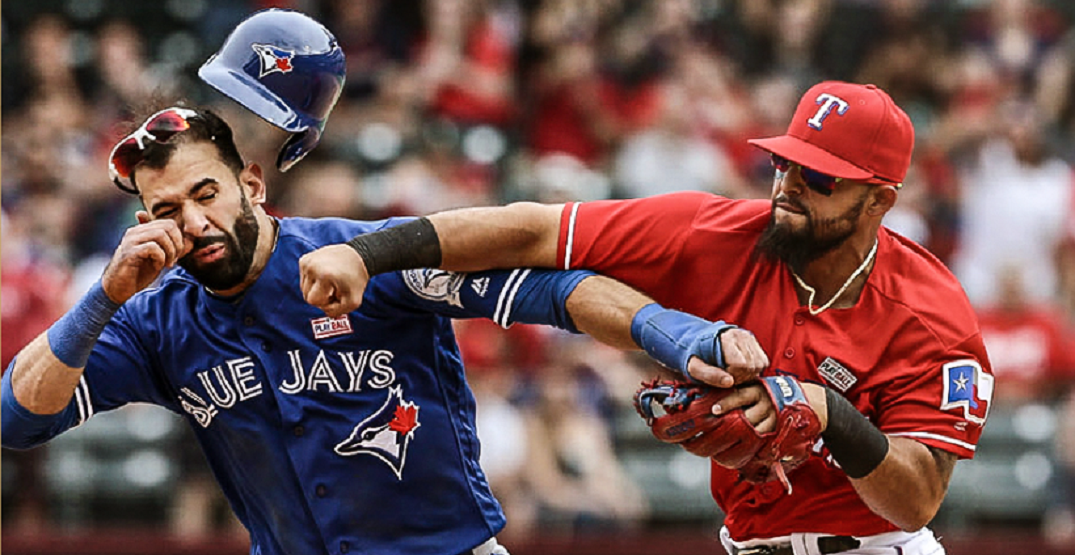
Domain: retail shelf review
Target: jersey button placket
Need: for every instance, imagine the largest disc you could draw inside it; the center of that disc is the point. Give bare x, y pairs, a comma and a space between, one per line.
789, 353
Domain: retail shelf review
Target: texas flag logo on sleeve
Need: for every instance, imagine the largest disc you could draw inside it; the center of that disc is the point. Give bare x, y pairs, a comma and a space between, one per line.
967, 387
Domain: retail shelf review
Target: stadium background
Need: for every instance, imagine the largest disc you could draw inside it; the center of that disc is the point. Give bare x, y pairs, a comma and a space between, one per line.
453, 103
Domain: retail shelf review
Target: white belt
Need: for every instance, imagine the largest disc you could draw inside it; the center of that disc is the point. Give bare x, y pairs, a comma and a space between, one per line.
806, 543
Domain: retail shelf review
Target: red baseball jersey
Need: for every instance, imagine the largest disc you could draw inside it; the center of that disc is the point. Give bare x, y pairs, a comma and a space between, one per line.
909, 354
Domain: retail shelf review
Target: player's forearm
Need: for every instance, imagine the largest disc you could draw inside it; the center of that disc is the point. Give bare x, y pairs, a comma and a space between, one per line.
40, 382
900, 479
604, 309
523, 234
519, 235
47, 370
907, 488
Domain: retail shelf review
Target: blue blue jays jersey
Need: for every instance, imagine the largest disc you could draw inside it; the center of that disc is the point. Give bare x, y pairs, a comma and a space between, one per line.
353, 434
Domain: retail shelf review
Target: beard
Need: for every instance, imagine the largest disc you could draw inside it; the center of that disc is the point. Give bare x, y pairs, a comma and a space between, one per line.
780, 242
239, 247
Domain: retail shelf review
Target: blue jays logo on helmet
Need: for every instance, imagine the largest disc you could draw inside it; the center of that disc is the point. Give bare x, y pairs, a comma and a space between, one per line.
273, 59
285, 67
386, 433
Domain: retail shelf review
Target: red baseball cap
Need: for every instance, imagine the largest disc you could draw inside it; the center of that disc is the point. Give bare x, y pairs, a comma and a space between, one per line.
847, 130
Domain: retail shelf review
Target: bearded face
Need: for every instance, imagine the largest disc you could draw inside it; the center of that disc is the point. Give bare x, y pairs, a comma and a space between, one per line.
239, 245
797, 243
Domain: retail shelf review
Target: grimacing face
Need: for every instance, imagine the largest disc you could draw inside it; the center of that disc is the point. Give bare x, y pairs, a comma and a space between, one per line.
205, 198
238, 245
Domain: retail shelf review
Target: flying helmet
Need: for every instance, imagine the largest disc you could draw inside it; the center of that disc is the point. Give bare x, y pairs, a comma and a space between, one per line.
285, 67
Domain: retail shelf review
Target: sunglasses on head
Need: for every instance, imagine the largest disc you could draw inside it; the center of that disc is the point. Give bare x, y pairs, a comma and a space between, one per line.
823, 183
158, 128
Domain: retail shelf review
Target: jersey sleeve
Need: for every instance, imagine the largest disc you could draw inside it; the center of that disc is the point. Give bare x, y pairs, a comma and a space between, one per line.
613, 236
524, 295
123, 369
118, 372
944, 401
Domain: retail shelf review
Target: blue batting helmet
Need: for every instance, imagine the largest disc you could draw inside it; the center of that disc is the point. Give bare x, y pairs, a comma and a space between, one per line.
285, 67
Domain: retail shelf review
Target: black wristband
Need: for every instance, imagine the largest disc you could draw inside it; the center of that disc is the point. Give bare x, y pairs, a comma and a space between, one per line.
852, 440
403, 247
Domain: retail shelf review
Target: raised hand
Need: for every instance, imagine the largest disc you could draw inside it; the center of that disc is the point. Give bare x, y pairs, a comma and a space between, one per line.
146, 250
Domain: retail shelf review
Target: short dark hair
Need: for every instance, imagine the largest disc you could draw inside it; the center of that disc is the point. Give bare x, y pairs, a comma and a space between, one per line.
205, 127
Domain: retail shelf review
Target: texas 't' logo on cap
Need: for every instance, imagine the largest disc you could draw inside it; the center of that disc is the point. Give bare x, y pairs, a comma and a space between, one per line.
273, 59
847, 130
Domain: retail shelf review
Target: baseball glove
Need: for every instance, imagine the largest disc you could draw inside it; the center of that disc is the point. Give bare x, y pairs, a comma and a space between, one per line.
729, 438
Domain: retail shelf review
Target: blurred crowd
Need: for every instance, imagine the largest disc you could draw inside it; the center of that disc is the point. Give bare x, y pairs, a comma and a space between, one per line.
453, 103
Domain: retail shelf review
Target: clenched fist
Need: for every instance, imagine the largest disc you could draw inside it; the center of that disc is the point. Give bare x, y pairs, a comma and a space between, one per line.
333, 278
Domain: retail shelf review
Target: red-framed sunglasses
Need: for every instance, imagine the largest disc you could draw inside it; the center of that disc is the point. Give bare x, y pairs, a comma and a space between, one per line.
821, 182
158, 128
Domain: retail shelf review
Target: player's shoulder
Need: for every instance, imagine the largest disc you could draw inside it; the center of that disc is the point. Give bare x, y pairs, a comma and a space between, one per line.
913, 279
319, 232
700, 211
720, 213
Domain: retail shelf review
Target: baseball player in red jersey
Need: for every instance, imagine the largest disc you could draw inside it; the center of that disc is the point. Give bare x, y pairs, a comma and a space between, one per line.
877, 331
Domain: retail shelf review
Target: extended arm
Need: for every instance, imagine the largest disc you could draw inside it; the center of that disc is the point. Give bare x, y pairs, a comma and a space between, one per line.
519, 235
523, 234
608, 310
334, 279
711, 352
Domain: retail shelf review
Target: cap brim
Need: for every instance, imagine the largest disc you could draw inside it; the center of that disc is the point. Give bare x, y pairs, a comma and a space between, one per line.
810, 156
241, 88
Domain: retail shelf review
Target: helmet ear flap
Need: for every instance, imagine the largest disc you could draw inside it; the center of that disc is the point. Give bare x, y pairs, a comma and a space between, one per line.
296, 147
286, 68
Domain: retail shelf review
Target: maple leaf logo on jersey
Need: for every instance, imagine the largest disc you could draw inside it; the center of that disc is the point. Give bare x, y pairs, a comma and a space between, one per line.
273, 59
968, 387
386, 433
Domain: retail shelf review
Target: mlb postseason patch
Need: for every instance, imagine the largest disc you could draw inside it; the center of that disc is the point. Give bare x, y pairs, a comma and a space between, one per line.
836, 375
435, 285
967, 387
331, 327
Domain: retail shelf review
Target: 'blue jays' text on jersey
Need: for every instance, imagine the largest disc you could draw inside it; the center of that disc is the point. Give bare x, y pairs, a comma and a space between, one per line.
327, 435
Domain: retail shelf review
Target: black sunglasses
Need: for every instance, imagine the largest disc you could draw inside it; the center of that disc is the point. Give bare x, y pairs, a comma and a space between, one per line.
823, 183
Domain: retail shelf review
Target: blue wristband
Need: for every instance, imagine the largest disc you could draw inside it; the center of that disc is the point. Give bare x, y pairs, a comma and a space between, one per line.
73, 336
673, 337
